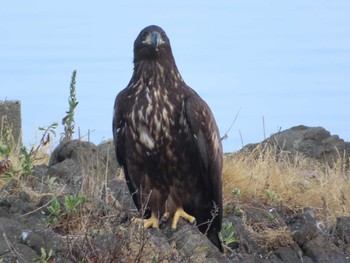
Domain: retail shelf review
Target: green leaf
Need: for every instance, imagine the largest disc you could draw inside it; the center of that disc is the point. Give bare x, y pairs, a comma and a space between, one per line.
5, 150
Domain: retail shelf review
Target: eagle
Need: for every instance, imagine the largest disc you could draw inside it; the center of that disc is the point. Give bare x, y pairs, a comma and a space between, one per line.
167, 141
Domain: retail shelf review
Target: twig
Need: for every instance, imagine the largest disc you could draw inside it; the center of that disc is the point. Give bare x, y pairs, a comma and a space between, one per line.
240, 135
226, 133
263, 120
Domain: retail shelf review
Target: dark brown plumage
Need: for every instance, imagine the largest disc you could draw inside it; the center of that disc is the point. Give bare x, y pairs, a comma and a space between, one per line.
167, 141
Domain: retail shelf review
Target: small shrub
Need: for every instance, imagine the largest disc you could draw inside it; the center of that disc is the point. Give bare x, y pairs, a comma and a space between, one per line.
55, 212
74, 203
228, 234
271, 195
236, 192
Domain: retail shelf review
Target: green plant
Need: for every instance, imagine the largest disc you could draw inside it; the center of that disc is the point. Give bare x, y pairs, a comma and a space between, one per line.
155, 259
45, 138
74, 203
5, 150
236, 192
52, 182
227, 234
55, 211
271, 196
68, 120
49, 129
44, 256
271, 217
26, 162
238, 211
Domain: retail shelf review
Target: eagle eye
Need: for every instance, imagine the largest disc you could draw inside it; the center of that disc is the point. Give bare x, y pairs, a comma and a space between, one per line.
144, 34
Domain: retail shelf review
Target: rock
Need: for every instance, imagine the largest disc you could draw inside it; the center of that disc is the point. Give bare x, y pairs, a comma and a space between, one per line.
246, 258
4, 211
11, 118
72, 162
81, 164
340, 233
11, 249
20, 204
106, 154
11, 229
286, 254
5, 208
193, 245
246, 242
107, 248
314, 245
77, 150
342, 229
303, 226
39, 182
120, 192
24, 229
20, 253
306, 259
43, 238
39, 171
320, 250
300, 253
68, 172
312, 142
101, 231
10, 187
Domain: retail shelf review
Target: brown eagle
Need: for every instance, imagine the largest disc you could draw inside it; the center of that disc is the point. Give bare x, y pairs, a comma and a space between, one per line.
167, 141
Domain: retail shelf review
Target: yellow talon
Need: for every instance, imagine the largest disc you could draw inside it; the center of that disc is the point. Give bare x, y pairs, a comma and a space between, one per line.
151, 222
181, 213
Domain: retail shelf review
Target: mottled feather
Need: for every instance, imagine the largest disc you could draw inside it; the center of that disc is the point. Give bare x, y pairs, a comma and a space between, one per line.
166, 138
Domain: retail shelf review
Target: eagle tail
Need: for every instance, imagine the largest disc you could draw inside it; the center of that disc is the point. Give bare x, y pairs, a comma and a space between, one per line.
213, 236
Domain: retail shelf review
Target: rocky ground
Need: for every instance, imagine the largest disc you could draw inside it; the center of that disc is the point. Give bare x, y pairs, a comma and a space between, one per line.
78, 209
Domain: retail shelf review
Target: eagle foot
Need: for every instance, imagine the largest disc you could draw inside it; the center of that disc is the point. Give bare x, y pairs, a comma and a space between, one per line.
165, 217
151, 222
181, 213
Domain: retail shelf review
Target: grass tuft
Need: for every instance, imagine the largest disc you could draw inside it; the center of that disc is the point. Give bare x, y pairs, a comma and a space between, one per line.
294, 182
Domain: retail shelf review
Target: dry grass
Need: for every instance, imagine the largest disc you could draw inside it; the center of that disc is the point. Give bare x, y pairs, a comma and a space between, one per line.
274, 179
273, 238
296, 182
17, 165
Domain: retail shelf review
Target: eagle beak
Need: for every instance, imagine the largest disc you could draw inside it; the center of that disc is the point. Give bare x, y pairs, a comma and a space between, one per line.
155, 39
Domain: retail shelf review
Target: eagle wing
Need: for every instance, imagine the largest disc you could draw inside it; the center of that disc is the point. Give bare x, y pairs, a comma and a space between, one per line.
207, 138
120, 143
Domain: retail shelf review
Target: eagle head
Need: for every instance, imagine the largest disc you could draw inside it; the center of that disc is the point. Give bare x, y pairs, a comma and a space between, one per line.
151, 44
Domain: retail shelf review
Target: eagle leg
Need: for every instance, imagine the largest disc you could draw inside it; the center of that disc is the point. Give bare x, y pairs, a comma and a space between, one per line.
181, 213
151, 222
